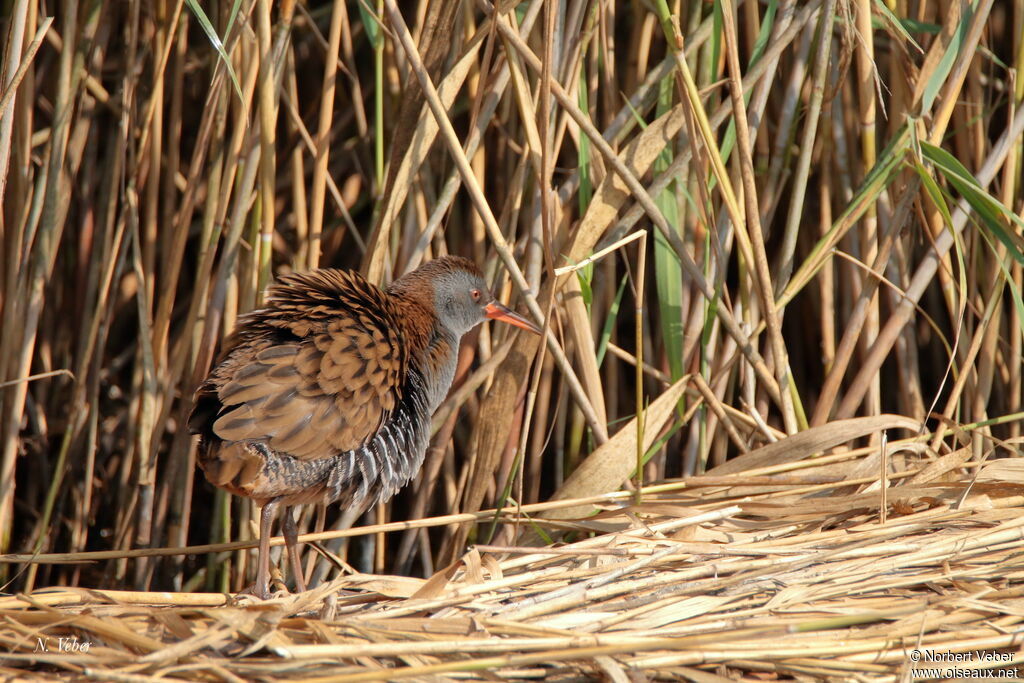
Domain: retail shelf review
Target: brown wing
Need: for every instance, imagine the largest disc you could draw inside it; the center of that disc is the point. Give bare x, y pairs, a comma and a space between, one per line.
316, 372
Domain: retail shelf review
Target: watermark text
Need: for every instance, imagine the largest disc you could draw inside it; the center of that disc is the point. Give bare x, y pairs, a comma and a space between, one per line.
62, 645
970, 664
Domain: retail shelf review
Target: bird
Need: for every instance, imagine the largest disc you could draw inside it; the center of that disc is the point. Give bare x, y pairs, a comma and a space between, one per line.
325, 394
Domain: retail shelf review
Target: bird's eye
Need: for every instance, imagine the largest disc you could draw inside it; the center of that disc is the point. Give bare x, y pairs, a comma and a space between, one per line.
475, 293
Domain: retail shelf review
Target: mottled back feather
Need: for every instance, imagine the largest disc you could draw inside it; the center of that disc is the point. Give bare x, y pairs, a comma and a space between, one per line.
313, 374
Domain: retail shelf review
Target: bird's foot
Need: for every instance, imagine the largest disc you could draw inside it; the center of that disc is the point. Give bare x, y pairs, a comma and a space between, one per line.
276, 589
252, 594
278, 585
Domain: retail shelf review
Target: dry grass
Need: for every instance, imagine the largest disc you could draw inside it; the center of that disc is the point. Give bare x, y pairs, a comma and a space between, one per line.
781, 234
767, 573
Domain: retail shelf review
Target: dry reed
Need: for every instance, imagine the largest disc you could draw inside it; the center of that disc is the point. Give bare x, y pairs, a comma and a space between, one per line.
814, 211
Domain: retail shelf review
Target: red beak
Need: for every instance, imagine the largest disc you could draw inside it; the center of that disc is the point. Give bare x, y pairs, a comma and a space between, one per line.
496, 311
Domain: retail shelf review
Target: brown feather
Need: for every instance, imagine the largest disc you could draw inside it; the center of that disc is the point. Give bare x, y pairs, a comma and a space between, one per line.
316, 372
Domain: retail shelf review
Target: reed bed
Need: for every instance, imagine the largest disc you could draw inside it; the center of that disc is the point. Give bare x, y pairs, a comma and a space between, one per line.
731, 575
776, 248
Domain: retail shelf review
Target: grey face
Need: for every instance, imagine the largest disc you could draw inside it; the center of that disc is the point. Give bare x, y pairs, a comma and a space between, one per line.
460, 299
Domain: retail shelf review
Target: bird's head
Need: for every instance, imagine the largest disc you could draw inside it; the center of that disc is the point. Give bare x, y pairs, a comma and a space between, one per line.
460, 296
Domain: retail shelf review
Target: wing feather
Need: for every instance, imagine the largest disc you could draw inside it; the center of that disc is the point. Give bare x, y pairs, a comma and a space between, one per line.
315, 373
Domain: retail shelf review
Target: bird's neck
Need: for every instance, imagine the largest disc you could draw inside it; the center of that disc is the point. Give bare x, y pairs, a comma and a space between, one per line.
416, 317
432, 347
439, 360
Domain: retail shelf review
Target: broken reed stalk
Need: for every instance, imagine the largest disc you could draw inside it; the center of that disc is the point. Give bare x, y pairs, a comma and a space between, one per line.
638, 322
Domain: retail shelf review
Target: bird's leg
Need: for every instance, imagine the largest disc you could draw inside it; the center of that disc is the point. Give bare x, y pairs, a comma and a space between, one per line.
290, 538
262, 587
321, 522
